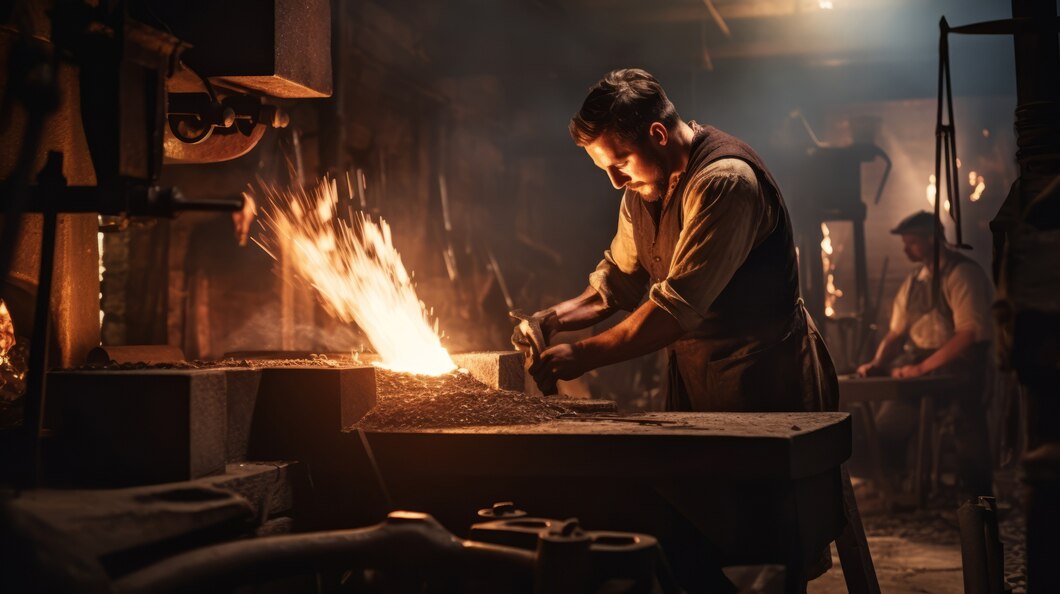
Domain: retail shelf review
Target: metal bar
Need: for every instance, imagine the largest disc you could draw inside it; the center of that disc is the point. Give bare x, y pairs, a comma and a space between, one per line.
952, 184
134, 201
36, 379
406, 543
1012, 26
944, 58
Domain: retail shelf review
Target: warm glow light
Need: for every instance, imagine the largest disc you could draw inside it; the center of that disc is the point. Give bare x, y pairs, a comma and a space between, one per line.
825, 4
932, 190
979, 185
831, 293
102, 269
357, 274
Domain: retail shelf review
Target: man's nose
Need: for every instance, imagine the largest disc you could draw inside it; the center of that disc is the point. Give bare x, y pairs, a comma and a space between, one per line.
618, 180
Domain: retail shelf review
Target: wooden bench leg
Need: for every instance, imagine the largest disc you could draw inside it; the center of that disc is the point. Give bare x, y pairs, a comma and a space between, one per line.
923, 437
858, 570
867, 416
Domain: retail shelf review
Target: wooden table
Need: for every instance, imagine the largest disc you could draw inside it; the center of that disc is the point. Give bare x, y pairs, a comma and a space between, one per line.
863, 391
761, 487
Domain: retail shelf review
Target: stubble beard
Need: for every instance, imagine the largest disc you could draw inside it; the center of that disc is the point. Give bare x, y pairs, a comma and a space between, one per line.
651, 192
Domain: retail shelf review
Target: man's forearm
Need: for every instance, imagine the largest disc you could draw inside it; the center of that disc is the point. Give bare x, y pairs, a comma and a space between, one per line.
649, 328
956, 346
582, 311
888, 349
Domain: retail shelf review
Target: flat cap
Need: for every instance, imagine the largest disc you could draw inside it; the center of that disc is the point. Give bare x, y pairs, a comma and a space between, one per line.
916, 223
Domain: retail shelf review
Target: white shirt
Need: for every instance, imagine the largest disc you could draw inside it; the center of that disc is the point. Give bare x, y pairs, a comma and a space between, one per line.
969, 293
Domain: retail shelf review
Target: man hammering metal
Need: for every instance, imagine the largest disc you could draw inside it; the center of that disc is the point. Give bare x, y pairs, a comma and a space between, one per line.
704, 231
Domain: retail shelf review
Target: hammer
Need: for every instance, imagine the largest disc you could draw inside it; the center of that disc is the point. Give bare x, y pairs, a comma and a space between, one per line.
531, 328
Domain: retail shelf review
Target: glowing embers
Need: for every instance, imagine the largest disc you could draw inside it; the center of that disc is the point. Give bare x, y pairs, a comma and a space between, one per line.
13, 364
357, 274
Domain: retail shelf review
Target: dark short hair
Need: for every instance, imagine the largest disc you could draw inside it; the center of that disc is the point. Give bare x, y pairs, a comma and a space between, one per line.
625, 102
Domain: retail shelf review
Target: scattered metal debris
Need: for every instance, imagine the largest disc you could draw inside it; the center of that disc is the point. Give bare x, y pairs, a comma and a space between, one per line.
407, 401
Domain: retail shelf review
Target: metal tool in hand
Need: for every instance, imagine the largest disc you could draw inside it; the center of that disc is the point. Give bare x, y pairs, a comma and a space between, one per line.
531, 328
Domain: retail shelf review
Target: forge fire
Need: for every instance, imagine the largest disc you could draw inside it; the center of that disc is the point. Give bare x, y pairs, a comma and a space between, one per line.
353, 267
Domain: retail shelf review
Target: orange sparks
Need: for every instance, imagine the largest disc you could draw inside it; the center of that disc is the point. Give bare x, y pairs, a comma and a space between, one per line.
357, 274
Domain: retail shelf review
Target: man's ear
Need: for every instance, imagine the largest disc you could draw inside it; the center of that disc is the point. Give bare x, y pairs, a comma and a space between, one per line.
658, 133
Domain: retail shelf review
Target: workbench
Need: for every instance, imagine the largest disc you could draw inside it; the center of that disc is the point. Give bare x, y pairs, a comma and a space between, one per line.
762, 488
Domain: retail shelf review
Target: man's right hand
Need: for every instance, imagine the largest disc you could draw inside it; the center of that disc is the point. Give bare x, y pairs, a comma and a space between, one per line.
870, 369
549, 326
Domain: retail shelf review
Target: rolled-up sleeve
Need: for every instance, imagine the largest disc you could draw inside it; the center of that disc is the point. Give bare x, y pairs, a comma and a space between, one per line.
970, 293
725, 216
619, 278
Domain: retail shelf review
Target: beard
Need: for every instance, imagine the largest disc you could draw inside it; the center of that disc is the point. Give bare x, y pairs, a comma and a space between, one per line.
651, 192
659, 184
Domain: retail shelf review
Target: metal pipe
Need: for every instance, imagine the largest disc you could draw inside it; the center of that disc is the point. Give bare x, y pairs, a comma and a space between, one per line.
52, 181
406, 542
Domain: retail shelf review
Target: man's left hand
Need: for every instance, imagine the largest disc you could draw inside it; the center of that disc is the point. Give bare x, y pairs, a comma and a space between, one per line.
560, 362
908, 371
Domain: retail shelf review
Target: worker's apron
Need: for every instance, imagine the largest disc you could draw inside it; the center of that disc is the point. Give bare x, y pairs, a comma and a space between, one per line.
794, 373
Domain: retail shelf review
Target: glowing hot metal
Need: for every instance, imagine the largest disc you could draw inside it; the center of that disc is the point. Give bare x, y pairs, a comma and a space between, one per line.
357, 273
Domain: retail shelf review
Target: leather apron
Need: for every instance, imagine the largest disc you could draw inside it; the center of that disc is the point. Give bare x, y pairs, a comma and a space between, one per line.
757, 349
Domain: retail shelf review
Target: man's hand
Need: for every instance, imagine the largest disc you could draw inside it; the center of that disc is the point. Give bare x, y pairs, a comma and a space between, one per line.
560, 362
549, 326
870, 369
908, 371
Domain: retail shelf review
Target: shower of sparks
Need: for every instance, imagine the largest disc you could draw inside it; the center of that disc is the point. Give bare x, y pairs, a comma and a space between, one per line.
357, 274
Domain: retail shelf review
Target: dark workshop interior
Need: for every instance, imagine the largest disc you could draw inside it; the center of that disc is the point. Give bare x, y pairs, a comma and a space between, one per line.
326, 296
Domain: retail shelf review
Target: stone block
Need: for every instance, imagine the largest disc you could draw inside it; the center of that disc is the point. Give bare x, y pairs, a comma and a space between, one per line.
502, 370
241, 386
120, 428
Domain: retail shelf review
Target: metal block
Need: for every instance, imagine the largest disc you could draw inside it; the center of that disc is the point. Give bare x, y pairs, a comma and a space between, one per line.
117, 428
502, 370
301, 411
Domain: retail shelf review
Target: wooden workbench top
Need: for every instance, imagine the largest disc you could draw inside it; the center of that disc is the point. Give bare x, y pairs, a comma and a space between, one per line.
746, 446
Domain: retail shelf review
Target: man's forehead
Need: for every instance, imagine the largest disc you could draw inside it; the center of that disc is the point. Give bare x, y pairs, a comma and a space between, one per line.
608, 147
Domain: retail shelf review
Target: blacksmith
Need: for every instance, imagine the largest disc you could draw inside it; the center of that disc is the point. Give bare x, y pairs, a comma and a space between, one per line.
703, 230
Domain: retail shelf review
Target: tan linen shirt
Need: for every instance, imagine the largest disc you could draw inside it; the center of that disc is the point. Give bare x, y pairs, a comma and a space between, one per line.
725, 215
969, 293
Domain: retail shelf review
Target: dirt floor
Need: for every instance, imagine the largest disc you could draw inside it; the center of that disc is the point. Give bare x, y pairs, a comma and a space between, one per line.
918, 552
